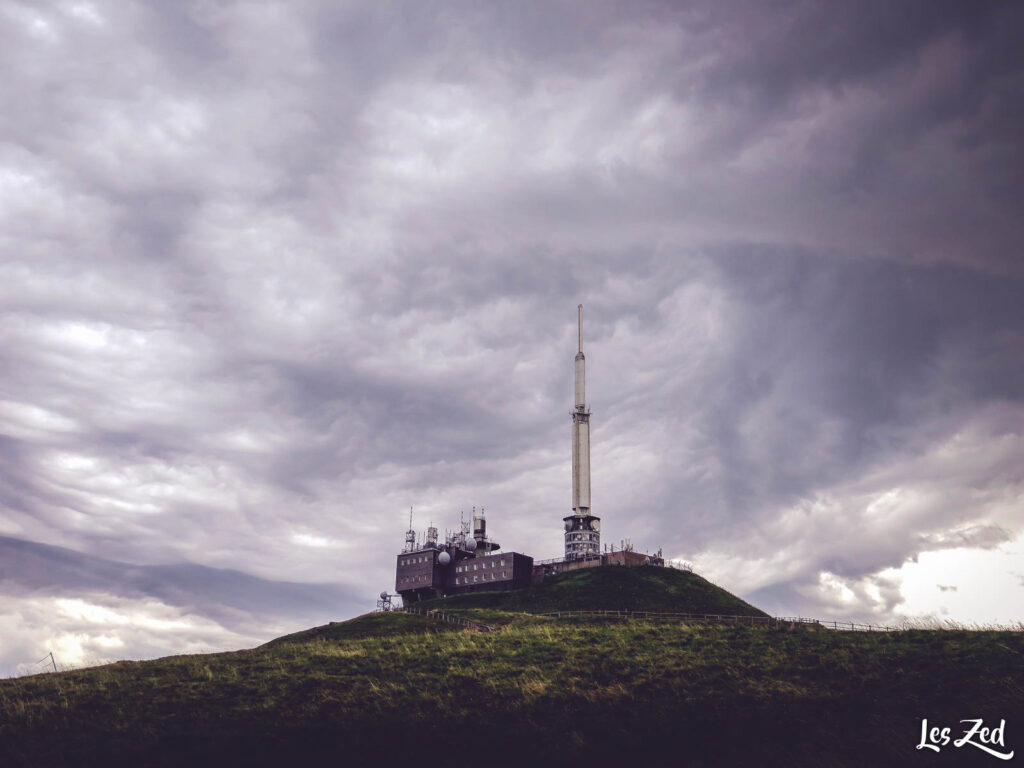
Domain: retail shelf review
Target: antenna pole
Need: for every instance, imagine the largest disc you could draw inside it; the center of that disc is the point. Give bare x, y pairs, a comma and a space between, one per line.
580, 325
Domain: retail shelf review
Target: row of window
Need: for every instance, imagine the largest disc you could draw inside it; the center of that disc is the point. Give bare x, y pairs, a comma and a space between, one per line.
414, 560
485, 577
413, 579
583, 537
458, 580
485, 564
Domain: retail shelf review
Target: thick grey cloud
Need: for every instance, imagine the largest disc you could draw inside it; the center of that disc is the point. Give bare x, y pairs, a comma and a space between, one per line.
86, 609
272, 273
28, 566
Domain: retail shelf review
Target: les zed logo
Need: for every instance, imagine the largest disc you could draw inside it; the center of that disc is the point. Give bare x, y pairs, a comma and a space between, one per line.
975, 735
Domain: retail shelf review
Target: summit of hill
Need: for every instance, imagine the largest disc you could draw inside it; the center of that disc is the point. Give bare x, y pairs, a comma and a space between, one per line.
610, 588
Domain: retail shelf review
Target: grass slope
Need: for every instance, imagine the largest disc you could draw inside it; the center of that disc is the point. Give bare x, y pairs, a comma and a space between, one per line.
390, 689
611, 588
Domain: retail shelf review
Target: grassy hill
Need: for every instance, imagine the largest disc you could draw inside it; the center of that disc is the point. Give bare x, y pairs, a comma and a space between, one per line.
391, 689
611, 588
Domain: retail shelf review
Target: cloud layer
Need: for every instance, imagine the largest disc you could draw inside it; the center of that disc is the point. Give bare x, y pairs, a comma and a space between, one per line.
272, 273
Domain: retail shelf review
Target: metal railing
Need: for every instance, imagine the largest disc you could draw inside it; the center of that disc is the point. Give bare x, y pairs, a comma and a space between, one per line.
554, 560
718, 618
679, 565
710, 617
449, 618
845, 626
771, 621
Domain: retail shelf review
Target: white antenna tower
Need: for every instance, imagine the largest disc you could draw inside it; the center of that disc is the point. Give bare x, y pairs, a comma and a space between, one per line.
410, 535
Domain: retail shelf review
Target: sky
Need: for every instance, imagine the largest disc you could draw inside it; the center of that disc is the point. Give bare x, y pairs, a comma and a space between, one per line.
272, 273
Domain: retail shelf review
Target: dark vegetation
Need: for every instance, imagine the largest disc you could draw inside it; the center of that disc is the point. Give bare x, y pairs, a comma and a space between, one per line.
399, 689
611, 588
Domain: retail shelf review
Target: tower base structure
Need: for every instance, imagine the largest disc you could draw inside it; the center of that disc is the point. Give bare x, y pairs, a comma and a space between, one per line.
582, 536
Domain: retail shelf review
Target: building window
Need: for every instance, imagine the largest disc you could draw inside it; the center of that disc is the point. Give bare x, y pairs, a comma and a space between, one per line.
474, 579
503, 562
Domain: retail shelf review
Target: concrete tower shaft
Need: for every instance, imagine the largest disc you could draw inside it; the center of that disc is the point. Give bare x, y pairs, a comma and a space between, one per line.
581, 463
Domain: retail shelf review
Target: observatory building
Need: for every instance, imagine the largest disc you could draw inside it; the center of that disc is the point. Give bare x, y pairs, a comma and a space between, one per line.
463, 563
470, 561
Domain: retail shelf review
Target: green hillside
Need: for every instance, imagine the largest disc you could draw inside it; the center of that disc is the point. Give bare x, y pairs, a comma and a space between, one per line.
392, 689
613, 588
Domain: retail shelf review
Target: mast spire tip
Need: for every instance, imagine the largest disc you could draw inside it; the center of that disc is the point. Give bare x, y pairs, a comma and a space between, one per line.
579, 309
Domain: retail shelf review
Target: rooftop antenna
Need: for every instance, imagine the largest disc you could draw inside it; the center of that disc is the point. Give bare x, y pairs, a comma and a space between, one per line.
410, 535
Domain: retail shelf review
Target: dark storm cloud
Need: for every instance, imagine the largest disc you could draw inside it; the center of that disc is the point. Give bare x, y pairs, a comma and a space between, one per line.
28, 567
271, 273
861, 345
829, 369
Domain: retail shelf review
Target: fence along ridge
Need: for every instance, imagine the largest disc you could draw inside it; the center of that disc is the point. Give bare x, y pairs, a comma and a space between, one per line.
847, 626
450, 619
730, 619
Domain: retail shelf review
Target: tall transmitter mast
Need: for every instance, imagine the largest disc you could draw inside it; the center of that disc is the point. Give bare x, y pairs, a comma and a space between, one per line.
582, 529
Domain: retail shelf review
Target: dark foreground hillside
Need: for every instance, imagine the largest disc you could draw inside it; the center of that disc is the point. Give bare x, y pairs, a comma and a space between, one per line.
401, 689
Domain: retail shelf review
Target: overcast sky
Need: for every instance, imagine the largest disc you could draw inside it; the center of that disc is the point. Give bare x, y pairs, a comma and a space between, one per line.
273, 272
